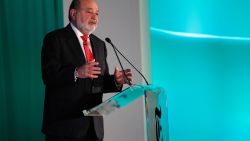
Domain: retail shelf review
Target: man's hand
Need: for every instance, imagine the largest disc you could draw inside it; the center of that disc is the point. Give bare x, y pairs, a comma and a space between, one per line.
89, 70
120, 78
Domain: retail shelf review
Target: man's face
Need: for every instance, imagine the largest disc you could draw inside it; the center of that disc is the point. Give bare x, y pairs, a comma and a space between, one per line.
87, 16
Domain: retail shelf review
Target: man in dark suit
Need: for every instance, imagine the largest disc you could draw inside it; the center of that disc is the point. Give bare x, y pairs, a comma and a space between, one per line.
76, 74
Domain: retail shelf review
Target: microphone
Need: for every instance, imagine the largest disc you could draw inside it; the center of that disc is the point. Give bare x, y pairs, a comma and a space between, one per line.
116, 50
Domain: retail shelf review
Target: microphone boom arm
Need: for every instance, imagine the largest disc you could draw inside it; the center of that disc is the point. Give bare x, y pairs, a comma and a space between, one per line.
115, 49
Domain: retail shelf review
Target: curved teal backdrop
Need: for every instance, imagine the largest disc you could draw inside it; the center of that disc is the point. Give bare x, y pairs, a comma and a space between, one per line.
216, 17
23, 24
200, 53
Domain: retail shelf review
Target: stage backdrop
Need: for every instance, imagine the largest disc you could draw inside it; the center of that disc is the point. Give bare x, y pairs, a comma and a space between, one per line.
23, 24
201, 55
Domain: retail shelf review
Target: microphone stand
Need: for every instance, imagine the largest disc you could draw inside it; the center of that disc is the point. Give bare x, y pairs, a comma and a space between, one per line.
116, 50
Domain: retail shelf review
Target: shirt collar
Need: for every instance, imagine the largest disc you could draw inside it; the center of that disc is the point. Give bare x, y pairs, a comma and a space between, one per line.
77, 32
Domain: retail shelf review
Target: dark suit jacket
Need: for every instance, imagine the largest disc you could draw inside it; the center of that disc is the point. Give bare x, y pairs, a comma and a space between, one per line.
65, 98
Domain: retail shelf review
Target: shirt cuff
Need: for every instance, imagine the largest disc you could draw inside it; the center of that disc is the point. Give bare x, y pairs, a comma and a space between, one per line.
75, 74
118, 86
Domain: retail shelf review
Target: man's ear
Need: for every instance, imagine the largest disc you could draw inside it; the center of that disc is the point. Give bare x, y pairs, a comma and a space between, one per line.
73, 14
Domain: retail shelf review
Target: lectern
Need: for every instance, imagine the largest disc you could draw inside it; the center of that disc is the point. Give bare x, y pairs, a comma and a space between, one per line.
155, 106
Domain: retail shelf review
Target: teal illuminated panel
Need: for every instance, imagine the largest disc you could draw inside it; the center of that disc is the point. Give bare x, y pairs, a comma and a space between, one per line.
215, 17
200, 54
208, 86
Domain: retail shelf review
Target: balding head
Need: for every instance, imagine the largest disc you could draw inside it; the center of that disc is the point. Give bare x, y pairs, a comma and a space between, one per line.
84, 15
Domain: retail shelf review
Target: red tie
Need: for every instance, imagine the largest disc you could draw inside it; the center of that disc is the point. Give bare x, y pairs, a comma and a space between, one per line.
88, 53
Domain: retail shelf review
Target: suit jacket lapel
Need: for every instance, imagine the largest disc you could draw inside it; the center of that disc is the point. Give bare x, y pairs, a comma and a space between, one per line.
94, 46
73, 43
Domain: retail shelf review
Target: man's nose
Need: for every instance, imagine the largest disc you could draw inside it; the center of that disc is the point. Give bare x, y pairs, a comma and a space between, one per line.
94, 16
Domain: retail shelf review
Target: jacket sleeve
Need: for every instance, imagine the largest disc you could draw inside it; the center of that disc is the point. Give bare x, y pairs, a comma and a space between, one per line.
54, 72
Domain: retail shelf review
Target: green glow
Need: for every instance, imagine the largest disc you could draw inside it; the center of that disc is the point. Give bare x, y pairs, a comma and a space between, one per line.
208, 86
195, 35
200, 54
214, 17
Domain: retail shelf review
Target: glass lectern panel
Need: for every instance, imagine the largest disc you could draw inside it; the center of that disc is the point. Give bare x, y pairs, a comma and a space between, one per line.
118, 101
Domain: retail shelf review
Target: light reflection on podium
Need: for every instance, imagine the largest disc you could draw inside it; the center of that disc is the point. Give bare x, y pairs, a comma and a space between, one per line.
155, 105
